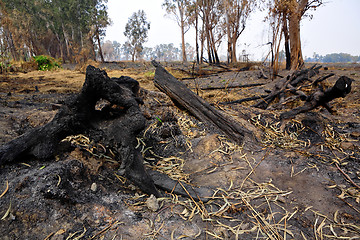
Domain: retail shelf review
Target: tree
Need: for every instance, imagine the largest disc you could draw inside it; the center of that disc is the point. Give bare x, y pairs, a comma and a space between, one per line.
167, 52
136, 30
108, 50
181, 9
236, 14
57, 28
190, 51
99, 21
291, 12
126, 50
210, 12
117, 50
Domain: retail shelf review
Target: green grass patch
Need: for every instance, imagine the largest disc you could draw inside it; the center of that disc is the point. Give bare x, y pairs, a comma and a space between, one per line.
46, 63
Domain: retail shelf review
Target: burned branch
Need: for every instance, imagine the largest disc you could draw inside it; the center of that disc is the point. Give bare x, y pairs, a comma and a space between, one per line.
322, 97
285, 84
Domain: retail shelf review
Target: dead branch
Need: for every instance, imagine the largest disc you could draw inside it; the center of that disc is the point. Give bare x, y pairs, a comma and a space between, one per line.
322, 97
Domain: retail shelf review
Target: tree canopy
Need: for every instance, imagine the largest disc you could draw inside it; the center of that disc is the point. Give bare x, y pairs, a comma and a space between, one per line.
63, 29
136, 30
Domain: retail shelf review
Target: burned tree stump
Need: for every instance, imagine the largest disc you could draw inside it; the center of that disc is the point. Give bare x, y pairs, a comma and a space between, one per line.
197, 106
78, 115
116, 124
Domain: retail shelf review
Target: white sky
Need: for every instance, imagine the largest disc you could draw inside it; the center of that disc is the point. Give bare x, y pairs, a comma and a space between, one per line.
335, 28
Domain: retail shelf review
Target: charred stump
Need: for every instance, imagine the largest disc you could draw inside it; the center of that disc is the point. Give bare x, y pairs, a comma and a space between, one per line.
78, 115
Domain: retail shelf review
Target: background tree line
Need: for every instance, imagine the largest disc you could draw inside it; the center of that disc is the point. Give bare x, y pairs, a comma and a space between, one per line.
333, 58
114, 51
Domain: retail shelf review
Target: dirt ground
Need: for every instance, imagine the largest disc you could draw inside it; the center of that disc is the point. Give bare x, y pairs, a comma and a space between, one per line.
299, 180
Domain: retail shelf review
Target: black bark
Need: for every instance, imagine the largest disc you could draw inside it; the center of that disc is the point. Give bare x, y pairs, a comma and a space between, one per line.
78, 114
322, 97
197, 106
285, 84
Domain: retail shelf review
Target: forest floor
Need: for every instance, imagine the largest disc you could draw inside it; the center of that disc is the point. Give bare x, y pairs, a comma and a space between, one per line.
299, 181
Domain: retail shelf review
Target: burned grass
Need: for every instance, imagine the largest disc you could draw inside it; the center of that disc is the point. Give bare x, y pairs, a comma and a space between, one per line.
301, 183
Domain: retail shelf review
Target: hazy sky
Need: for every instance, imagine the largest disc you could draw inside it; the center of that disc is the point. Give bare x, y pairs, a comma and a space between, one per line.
334, 28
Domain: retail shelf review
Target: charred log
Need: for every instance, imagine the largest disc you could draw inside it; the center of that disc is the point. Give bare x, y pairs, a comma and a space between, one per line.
322, 97
201, 109
290, 82
232, 86
244, 100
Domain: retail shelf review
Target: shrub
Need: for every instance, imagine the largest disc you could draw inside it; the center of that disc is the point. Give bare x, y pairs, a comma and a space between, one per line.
46, 63
5, 67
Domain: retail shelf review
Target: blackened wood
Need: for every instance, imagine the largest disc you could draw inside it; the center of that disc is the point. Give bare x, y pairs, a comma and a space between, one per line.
244, 100
320, 79
78, 114
232, 86
320, 97
291, 81
162, 181
201, 109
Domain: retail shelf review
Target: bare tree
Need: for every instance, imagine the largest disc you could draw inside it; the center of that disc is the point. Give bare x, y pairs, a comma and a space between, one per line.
236, 14
181, 10
210, 12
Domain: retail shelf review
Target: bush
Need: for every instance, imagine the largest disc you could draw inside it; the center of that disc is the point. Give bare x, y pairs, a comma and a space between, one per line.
46, 63
5, 67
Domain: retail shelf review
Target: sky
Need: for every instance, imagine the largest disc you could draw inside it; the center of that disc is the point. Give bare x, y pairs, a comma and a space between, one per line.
334, 28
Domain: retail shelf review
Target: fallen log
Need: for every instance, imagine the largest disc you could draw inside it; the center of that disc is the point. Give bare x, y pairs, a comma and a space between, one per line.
162, 181
232, 86
322, 97
243, 100
201, 109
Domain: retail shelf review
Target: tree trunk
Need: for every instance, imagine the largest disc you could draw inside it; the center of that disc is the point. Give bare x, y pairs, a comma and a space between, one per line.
202, 36
196, 33
11, 44
213, 47
295, 43
233, 49
99, 45
287, 46
67, 43
183, 50
228, 32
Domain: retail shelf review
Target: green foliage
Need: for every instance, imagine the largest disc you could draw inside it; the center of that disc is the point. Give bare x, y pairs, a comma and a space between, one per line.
53, 27
46, 63
136, 30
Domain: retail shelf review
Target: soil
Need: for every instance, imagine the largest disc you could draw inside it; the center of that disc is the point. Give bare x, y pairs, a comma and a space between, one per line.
299, 180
